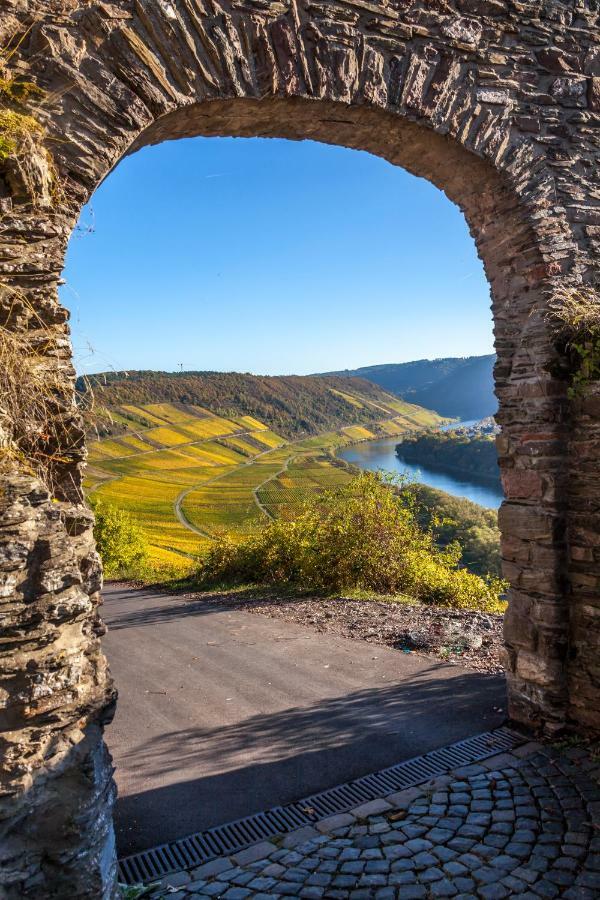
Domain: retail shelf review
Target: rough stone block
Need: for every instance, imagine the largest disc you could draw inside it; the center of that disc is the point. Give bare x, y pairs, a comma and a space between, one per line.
211, 868
253, 853
372, 808
527, 522
332, 823
300, 836
403, 799
522, 484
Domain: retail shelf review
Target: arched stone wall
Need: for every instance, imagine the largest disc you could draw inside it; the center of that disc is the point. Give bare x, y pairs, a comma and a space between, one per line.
496, 103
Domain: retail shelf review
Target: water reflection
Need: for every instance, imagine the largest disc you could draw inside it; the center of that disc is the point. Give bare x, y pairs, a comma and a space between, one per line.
376, 455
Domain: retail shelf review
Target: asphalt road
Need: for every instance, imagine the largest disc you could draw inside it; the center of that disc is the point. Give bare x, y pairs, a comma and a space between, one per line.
223, 713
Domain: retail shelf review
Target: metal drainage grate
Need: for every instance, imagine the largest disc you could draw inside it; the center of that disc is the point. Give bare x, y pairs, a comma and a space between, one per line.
411, 772
196, 849
219, 841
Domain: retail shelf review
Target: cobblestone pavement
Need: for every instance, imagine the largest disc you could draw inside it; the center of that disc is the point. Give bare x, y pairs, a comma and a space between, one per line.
523, 824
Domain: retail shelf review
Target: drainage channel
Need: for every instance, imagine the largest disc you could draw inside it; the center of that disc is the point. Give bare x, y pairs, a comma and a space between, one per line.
191, 851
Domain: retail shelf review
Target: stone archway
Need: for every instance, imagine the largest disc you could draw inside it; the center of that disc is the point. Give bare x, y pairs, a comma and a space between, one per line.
496, 104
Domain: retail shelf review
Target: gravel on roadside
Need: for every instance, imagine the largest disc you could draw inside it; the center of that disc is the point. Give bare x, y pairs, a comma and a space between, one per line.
469, 639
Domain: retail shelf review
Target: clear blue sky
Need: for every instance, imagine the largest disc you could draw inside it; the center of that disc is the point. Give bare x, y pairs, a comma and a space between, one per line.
272, 257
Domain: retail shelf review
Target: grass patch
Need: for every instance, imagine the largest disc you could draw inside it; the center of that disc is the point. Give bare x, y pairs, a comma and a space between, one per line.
358, 433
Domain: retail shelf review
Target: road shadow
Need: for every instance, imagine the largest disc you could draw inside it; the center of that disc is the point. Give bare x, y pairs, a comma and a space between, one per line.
147, 607
278, 758
131, 609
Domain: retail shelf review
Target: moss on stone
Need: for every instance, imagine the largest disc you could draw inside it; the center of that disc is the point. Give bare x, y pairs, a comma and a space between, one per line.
15, 127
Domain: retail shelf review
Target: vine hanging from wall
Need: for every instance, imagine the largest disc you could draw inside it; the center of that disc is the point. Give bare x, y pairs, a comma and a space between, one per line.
575, 315
34, 422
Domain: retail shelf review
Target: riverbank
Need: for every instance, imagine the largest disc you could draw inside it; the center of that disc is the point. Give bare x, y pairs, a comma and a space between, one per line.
459, 452
381, 455
460, 472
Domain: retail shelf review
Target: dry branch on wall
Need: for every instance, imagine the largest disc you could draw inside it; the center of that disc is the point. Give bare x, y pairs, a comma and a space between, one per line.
577, 311
36, 421
575, 317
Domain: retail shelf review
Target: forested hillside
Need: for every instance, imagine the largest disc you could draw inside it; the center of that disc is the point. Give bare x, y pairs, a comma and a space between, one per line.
458, 519
293, 406
457, 387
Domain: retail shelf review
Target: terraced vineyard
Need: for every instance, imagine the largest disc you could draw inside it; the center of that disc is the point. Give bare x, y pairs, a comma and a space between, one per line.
165, 450
307, 474
185, 473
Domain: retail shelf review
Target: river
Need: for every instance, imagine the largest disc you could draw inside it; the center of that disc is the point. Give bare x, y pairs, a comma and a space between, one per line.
376, 455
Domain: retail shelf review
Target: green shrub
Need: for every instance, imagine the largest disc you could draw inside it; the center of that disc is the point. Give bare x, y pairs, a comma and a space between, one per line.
120, 541
474, 527
362, 536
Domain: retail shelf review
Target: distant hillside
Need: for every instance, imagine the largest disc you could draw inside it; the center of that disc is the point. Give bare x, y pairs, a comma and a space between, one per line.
460, 387
292, 406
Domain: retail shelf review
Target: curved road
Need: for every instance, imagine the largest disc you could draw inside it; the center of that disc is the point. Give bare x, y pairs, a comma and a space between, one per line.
223, 713
260, 486
181, 497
